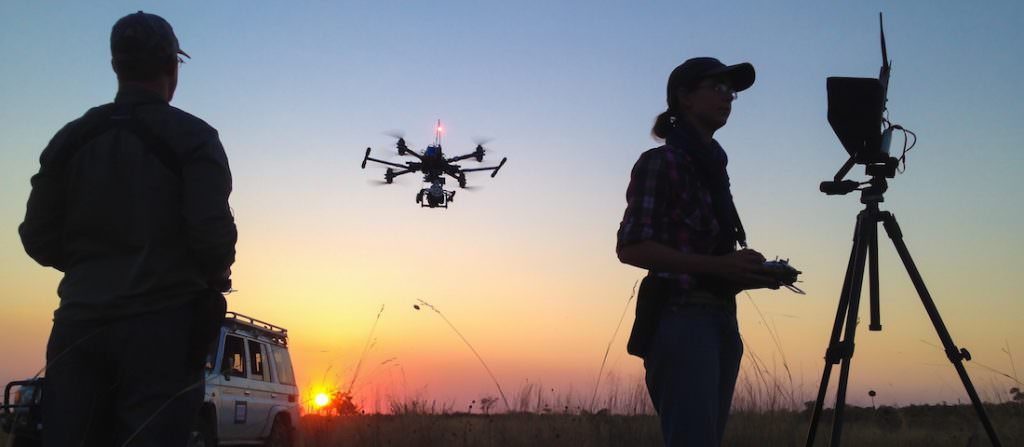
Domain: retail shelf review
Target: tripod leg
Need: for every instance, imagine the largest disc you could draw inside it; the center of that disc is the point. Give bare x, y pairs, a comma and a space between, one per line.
875, 309
867, 226
831, 353
836, 350
955, 355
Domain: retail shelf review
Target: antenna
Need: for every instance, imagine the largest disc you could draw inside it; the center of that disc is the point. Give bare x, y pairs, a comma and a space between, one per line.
883, 73
437, 133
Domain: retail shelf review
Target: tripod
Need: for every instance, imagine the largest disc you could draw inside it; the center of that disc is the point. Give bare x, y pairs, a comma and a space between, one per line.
865, 250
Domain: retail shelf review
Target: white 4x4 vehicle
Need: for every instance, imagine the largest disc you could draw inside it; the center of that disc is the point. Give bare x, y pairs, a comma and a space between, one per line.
251, 396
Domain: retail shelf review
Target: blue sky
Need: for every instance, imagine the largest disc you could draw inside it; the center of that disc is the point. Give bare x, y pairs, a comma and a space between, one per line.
568, 91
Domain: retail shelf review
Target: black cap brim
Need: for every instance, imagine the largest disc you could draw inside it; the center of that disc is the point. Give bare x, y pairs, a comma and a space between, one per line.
741, 76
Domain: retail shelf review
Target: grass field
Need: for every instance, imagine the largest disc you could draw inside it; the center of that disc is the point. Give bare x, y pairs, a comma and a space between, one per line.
922, 425
929, 425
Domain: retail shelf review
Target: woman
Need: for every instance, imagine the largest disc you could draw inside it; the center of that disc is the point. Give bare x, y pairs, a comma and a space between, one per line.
681, 224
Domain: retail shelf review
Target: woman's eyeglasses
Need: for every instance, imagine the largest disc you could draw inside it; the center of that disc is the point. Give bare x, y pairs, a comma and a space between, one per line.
722, 89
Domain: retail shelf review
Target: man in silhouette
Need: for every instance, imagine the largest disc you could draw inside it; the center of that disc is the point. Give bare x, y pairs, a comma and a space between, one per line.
131, 204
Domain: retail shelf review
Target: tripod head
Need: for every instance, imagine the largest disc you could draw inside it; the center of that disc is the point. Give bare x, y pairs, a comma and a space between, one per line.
871, 190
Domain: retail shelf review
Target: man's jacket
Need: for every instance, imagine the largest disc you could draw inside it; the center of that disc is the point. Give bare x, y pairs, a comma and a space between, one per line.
133, 228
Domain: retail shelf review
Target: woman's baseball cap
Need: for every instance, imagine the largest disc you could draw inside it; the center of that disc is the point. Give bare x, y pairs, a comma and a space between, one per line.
689, 73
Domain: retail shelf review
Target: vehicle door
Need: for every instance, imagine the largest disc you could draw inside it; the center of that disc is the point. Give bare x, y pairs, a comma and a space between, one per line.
233, 401
259, 392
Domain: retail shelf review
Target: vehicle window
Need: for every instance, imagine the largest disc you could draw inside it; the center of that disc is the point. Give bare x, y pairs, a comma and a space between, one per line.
285, 375
233, 363
257, 362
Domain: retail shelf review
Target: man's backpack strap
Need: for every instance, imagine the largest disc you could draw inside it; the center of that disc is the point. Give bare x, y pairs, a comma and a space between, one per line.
115, 116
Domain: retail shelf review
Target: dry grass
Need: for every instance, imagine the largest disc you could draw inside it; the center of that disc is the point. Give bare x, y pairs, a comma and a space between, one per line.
510, 429
764, 415
930, 425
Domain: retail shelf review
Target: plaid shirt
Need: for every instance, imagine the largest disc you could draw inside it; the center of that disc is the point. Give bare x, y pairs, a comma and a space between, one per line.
668, 203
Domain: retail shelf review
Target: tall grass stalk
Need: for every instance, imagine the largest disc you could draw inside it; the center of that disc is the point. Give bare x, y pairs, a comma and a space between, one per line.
776, 340
366, 348
608, 349
470, 346
974, 362
1013, 367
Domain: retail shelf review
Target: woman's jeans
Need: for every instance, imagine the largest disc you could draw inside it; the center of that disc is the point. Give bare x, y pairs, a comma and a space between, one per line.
692, 367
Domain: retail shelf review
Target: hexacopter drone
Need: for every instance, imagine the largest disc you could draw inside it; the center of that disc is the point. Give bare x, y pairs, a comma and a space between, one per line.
434, 166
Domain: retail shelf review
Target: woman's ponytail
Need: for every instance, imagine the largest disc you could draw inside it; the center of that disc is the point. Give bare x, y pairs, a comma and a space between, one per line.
663, 124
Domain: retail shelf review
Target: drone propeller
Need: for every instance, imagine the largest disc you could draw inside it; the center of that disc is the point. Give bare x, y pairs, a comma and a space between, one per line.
482, 150
379, 182
391, 176
402, 148
401, 144
396, 134
376, 183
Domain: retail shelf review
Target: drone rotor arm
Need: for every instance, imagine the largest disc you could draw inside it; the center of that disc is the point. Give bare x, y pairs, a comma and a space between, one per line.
480, 169
369, 158
461, 157
492, 168
403, 171
458, 176
413, 153
404, 150
390, 175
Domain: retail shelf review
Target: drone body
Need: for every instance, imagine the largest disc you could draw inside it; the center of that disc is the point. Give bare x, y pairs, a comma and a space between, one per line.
434, 166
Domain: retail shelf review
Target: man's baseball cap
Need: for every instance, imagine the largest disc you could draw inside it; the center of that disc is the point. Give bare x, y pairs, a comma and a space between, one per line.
143, 36
689, 73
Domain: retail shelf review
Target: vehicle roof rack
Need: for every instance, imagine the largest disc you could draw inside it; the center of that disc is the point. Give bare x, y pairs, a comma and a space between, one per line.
274, 331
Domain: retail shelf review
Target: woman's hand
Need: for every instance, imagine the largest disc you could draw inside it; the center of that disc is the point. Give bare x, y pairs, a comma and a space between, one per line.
745, 269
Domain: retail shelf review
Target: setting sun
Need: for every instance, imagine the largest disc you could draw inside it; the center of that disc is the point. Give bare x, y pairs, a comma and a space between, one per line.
321, 400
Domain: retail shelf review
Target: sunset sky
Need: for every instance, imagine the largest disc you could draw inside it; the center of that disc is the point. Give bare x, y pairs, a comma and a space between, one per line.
525, 267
